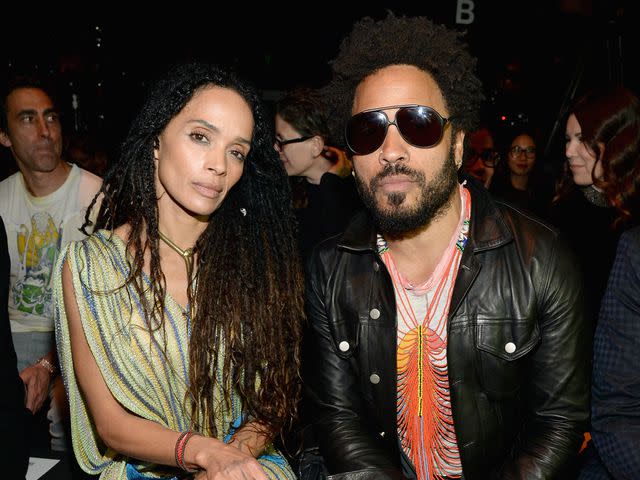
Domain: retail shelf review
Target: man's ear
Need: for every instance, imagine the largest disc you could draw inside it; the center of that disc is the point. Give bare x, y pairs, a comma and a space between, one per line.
4, 139
458, 148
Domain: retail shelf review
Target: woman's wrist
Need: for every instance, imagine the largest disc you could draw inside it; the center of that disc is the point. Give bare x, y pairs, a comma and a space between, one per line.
44, 362
197, 452
186, 451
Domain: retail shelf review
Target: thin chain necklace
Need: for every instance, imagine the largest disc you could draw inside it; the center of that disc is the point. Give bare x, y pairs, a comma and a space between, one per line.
186, 254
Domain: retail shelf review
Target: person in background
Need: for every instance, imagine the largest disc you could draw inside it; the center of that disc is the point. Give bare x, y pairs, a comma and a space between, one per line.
13, 413
615, 393
482, 158
581, 208
324, 195
43, 206
449, 338
178, 320
518, 179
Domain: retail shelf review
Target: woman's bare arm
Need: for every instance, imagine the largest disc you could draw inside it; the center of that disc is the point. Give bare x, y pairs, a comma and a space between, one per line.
136, 437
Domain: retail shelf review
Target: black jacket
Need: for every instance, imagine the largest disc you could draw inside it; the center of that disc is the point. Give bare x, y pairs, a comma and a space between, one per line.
516, 415
14, 416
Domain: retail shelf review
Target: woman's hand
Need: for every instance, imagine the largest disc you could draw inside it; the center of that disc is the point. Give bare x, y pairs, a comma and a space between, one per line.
219, 461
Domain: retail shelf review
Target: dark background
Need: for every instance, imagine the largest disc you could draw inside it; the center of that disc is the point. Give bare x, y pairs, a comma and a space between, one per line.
533, 57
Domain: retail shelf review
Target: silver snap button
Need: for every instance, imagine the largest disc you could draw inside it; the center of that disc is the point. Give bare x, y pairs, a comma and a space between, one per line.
381, 434
374, 378
374, 313
343, 346
376, 267
510, 347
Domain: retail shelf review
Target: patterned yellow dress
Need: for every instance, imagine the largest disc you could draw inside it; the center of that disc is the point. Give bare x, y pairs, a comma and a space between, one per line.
143, 378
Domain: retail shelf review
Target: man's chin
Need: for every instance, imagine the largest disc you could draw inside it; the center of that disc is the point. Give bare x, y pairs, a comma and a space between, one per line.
390, 210
395, 200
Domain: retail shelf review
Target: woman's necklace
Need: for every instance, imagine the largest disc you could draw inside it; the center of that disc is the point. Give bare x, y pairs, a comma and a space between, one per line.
595, 196
187, 254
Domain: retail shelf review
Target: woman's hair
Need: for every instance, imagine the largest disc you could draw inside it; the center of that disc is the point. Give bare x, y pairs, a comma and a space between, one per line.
373, 45
304, 110
249, 288
611, 119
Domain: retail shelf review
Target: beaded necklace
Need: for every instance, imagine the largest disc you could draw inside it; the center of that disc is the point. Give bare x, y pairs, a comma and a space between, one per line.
425, 423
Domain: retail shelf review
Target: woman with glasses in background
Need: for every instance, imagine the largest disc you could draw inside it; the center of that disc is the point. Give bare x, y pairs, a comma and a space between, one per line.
517, 179
324, 195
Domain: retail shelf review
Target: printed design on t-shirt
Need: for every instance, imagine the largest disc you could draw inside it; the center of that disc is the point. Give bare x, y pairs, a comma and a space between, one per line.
38, 247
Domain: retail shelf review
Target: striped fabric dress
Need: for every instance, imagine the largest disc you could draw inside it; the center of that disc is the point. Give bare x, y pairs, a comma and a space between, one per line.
135, 369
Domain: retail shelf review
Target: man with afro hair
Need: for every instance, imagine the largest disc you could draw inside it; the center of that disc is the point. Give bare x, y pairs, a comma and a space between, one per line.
448, 333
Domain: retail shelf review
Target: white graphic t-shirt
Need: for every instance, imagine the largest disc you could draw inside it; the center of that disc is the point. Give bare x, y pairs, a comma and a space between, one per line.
37, 228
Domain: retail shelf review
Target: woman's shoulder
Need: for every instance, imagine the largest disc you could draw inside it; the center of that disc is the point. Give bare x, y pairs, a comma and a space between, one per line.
100, 253
99, 243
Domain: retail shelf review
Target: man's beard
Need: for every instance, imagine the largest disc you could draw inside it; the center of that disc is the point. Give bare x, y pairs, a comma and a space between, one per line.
392, 217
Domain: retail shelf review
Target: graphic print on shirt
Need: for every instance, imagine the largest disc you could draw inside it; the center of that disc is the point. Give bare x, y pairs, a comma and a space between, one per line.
38, 247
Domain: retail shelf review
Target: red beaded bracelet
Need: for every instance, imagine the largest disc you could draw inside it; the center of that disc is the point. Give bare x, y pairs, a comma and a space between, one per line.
181, 445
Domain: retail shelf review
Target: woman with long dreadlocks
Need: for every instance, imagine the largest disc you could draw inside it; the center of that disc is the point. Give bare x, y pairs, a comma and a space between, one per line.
177, 319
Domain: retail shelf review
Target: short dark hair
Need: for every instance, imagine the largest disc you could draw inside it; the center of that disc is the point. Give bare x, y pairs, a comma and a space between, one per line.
303, 108
22, 80
435, 49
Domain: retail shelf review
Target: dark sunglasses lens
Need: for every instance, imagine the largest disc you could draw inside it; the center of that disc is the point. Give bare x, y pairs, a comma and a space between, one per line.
420, 126
365, 132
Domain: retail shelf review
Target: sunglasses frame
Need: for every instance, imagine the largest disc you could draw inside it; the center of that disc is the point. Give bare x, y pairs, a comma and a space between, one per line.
441, 120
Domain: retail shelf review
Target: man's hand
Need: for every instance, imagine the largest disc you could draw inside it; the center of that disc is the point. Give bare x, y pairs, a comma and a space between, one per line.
36, 380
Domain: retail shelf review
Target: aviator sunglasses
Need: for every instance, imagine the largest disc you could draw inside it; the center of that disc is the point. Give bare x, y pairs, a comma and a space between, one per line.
419, 125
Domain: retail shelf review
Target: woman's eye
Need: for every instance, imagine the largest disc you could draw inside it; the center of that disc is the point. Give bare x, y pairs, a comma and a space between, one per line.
239, 155
199, 137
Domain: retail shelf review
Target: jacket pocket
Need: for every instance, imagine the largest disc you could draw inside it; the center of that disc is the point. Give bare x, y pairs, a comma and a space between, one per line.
504, 347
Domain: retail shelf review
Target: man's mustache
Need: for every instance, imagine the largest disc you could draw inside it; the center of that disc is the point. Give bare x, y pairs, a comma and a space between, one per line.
396, 169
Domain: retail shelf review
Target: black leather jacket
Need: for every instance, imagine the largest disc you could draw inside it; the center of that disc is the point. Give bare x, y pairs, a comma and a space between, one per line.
517, 414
